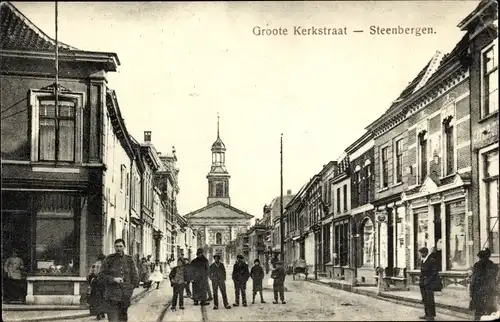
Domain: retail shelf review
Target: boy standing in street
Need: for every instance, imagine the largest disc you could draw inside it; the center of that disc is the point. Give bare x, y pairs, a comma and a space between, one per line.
278, 274
257, 275
178, 277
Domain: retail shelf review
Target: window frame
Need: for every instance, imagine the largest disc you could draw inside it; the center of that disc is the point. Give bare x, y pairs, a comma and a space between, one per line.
485, 110
384, 170
398, 168
422, 137
34, 97
484, 186
447, 124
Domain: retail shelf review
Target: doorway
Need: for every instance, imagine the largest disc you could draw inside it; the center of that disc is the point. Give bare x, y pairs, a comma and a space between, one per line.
390, 239
437, 234
16, 235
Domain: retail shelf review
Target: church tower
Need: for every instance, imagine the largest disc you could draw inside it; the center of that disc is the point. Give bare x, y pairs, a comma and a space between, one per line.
218, 177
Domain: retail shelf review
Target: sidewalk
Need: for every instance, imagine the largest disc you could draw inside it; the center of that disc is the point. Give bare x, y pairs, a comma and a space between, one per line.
20, 312
450, 300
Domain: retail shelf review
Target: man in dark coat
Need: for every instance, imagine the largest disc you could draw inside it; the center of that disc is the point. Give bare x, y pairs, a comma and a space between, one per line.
187, 267
218, 277
429, 282
240, 278
199, 270
278, 275
119, 273
484, 285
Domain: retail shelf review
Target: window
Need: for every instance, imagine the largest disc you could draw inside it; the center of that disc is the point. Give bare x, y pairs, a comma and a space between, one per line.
368, 235
218, 238
490, 180
57, 130
423, 157
490, 80
122, 176
399, 161
449, 147
345, 197
338, 200
57, 236
219, 189
385, 170
455, 229
421, 233
368, 178
357, 184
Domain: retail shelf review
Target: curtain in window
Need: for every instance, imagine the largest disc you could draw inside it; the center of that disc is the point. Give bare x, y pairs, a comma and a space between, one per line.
47, 139
66, 140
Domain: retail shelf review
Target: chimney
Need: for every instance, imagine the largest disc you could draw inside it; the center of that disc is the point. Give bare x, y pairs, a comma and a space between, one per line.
147, 136
289, 192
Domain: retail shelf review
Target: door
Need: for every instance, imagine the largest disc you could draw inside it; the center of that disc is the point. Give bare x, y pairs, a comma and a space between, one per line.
16, 235
437, 234
390, 239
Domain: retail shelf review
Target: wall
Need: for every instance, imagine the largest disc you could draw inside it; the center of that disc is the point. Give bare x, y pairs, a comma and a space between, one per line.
116, 201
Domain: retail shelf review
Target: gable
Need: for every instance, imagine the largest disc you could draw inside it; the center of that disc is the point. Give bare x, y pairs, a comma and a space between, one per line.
218, 210
429, 186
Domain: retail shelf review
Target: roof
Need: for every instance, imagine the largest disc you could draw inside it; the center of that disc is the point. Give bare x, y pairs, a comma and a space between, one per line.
18, 33
359, 142
472, 17
218, 145
276, 205
218, 203
118, 123
455, 55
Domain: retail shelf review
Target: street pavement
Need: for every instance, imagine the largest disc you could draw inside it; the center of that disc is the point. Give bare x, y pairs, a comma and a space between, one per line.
304, 302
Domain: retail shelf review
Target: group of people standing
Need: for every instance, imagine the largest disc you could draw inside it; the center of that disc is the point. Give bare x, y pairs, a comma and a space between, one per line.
483, 288
200, 271
112, 280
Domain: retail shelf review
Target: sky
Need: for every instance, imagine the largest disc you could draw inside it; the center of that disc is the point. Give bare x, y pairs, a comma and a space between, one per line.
182, 63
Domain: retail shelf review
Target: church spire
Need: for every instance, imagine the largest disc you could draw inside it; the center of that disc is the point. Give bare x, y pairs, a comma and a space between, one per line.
218, 136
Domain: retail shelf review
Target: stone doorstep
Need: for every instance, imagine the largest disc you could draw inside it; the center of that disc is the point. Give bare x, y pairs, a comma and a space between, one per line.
372, 292
65, 316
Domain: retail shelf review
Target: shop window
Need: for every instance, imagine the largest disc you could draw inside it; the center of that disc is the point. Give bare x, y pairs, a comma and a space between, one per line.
455, 213
421, 231
490, 194
57, 236
368, 234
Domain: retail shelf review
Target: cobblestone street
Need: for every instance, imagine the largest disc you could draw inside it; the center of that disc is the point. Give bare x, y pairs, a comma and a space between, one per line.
305, 302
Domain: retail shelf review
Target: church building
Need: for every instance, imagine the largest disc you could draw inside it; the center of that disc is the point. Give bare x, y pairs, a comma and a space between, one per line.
218, 222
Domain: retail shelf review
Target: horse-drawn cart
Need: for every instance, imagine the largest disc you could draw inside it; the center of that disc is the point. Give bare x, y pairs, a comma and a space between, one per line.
299, 266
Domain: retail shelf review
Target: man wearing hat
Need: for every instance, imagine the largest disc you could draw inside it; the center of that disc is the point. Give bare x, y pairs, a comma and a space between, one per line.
199, 270
218, 277
429, 282
241, 275
484, 285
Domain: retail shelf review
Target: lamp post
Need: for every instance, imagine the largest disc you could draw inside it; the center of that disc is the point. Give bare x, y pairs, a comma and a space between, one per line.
282, 226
